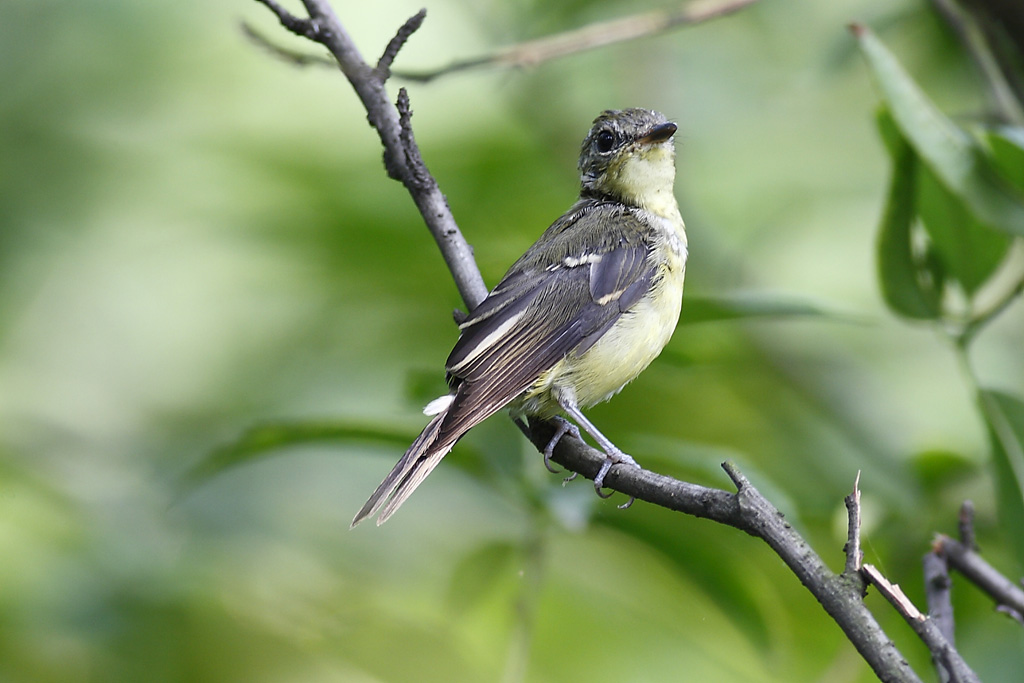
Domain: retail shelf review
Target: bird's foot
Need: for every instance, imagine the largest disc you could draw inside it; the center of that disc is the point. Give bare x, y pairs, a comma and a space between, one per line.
564, 427
611, 459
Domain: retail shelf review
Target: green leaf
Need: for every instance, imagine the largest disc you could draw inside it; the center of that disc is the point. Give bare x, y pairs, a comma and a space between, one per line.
263, 440
948, 151
1004, 417
891, 136
909, 287
702, 309
936, 469
969, 251
959, 247
1006, 153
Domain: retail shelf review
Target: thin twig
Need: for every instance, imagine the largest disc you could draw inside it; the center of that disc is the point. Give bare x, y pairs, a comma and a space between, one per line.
417, 175
979, 319
940, 605
307, 28
965, 525
534, 52
942, 650
293, 57
410, 26
401, 160
854, 555
1005, 592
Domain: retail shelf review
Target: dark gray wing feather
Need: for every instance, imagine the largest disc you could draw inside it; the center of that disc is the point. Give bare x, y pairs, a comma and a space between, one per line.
543, 309
565, 303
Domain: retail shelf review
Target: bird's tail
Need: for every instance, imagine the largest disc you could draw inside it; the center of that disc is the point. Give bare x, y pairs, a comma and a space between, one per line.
420, 460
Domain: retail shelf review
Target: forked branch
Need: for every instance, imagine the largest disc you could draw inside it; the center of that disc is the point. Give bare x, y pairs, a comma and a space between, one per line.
531, 53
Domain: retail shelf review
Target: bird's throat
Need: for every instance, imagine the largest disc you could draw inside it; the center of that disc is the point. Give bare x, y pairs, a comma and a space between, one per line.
646, 180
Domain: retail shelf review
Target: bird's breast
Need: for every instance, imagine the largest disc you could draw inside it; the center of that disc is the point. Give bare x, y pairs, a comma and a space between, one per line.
628, 347
632, 343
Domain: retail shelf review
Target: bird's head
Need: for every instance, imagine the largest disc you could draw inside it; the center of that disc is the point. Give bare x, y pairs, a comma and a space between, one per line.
628, 156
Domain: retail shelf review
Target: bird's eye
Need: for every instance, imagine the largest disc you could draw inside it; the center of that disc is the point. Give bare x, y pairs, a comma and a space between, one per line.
605, 141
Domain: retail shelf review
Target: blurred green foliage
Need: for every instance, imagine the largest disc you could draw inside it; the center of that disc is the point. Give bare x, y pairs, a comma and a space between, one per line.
969, 197
201, 255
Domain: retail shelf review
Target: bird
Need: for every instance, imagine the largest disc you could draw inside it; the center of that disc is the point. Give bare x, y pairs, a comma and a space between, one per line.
577, 317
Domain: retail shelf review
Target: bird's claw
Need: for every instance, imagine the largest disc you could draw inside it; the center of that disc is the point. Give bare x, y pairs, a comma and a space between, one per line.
599, 479
564, 427
547, 462
612, 458
609, 461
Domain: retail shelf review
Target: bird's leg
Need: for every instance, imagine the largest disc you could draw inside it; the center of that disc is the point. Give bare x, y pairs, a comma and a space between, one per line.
564, 427
613, 456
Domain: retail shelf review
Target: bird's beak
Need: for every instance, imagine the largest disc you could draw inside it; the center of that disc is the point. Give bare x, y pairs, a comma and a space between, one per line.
658, 134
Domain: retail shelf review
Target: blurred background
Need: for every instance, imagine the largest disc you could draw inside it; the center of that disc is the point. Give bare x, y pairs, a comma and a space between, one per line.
197, 239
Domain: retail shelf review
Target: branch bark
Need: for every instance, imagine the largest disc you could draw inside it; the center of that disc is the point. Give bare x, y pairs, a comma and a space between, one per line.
533, 52
854, 555
926, 628
841, 595
401, 154
940, 604
1005, 592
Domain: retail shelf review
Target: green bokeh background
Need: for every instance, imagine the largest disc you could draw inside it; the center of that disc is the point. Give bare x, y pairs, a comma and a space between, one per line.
196, 238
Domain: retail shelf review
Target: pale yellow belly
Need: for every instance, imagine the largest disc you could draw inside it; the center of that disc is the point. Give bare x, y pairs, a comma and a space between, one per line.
617, 357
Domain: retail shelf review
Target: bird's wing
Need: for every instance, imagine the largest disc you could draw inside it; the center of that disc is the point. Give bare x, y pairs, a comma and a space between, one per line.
540, 311
544, 309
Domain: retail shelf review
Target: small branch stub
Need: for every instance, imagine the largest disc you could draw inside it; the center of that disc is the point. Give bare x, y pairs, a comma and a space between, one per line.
966, 525
410, 26
854, 555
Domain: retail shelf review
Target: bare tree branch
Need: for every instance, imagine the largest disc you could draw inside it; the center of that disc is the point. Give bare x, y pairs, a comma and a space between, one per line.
401, 157
937, 584
534, 52
1005, 592
940, 604
942, 650
747, 510
293, 57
